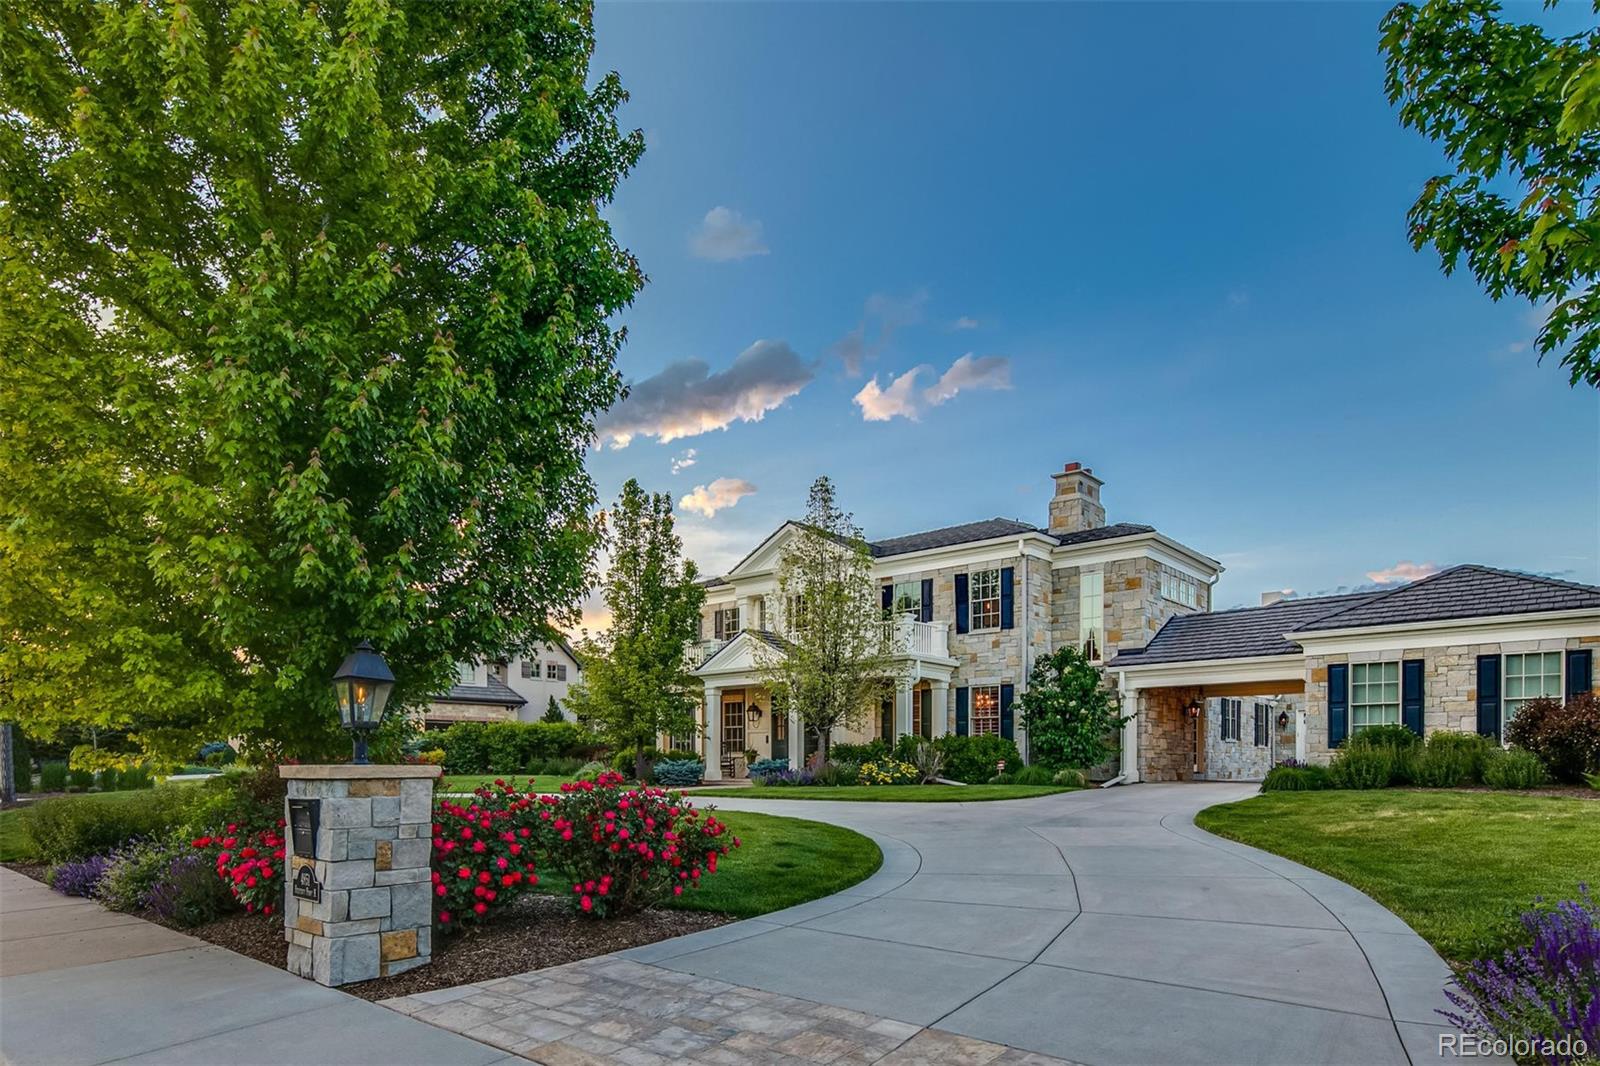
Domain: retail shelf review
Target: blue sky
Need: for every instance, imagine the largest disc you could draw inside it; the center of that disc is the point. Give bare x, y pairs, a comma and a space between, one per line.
1171, 240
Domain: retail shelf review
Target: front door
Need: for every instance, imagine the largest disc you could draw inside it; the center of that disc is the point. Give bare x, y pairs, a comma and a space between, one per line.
780, 735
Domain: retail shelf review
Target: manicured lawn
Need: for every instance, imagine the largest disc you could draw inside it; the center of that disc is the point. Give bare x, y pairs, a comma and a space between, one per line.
1457, 866
892, 793
781, 862
469, 782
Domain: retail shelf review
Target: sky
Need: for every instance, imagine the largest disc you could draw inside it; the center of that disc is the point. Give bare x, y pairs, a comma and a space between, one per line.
936, 251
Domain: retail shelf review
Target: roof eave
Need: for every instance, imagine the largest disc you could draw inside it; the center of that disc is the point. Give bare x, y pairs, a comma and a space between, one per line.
1299, 636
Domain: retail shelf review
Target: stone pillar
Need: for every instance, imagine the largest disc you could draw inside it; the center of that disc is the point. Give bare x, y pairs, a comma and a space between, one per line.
797, 742
713, 734
939, 707
370, 870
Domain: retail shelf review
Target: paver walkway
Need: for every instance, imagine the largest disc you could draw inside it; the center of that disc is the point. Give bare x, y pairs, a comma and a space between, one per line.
1096, 927
80, 984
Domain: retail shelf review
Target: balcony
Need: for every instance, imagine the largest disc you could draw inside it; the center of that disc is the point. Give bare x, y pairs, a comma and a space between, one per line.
920, 640
701, 650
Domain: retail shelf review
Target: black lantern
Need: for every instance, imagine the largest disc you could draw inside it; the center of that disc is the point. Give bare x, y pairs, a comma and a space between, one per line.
361, 686
1193, 709
1283, 719
754, 713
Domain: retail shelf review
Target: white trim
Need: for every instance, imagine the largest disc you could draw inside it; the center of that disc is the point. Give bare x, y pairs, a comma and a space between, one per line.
1247, 670
1501, 629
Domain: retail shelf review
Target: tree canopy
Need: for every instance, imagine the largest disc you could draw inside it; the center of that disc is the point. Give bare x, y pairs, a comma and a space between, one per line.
636, 681
304, 322
1518, 114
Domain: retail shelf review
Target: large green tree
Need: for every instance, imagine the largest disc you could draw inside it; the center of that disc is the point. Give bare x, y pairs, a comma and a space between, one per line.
305, 315
838, 661
1518, 113
636, 682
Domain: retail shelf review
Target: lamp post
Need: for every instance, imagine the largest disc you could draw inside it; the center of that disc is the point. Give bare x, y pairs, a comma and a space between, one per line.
361, 686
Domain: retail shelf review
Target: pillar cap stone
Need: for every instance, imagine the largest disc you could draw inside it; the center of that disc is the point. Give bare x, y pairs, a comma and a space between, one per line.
352, 772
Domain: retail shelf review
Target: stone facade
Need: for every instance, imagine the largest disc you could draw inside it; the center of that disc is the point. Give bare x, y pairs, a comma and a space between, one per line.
374, 843
1243, 759
1167, 749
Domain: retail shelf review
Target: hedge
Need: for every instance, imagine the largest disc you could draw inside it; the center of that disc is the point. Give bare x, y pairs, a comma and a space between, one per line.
509, 747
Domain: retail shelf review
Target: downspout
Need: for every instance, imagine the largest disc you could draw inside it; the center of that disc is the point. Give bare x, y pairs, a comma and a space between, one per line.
1027, 661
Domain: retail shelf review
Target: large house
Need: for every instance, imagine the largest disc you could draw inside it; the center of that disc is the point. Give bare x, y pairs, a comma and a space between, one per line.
514, 690
1210, 694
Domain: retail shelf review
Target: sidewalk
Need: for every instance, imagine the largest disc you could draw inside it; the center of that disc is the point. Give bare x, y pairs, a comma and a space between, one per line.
80, 985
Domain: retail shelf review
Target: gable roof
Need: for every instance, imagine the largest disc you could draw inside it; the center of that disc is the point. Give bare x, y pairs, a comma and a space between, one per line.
496, 691
1466, 591
1243, 632
767, 636
947, 536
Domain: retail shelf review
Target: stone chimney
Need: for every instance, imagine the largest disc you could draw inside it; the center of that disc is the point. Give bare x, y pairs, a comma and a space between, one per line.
1275, 596
1076, 505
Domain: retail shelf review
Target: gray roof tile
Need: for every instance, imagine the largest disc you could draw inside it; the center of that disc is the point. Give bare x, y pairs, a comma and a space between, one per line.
988, 529
495, 691
1467, 591
1240, 633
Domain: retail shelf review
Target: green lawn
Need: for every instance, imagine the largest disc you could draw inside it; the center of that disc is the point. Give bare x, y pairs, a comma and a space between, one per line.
15, 844
1457, 866
469, 782
889, 793
781, 862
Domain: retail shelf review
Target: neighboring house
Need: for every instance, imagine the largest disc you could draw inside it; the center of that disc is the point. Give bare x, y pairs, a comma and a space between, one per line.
518, 690
972, 606
1459, 650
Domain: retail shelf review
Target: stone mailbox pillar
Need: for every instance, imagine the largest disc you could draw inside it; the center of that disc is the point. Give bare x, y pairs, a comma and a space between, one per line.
358, 894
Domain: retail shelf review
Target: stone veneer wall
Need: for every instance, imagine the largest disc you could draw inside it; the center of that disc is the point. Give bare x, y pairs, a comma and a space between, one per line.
1241, 760
1164, 745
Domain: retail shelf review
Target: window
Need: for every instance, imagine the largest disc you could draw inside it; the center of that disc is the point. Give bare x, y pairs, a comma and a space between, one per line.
685, 742
984, 717
733, 727
1528, 677
1263, 725
555, 671
726, 620
795, 609
1091, 613
983, 597
530, 668
1374, 694
1179, 587
1231, 711
907, 599
466, 673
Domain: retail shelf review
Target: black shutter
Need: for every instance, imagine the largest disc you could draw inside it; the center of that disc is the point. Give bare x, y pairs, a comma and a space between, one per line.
1411, 695
1580, 673
927, 599
1338, 703
961, 603
961, 710
716, 622
888, 600
1008, 577
1489, 695
1007, 722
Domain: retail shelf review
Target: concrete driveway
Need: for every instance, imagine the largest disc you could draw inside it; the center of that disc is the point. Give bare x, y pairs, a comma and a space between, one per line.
1097, 927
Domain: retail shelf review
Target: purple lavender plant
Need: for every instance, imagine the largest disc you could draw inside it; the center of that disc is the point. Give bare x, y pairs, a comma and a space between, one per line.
187, 891
80, 878
1546, 990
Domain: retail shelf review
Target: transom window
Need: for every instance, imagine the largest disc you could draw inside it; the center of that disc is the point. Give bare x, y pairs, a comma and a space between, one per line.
907, 599
1091, 613
1529, 677
555, 671
1231, 710
726, 622
984, 716
984, 598
1179, 587
1374, 694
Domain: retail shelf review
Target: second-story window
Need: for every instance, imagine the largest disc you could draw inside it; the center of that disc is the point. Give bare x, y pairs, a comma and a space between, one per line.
1179, 587
726, 623
1092, 614
907, 599
530, 669
984, 597
795, 612
555, 671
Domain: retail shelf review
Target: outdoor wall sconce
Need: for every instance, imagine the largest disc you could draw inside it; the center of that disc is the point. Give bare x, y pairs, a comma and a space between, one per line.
754, 713
1283, 719
1193, 709
361, 686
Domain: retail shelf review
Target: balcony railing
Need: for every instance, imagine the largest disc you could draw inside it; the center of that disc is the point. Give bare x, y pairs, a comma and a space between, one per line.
701, 650
928, 639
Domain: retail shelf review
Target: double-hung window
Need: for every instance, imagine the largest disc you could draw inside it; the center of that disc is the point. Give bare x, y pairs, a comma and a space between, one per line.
1530, 677
907, 600
983, 598
726, 622
984, 717
1231, 711
555, 671
1374, 694
1091, 613
1263, 731
795, 612
530, 669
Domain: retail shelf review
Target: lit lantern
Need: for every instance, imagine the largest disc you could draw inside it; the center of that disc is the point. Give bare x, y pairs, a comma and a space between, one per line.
361, 686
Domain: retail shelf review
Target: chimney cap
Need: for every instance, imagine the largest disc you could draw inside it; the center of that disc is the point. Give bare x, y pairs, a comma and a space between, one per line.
1072, 468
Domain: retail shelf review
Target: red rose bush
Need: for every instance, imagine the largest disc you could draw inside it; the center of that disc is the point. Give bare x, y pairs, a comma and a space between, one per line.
483, 853
250, 862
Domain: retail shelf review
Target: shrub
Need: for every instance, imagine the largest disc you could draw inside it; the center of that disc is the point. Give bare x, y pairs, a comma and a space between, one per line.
1391, 737
787, 777
1513, 769
624, 849
1547, 990
133, 872
483, 852
557, 767
1452, 759
1074, 778
216, 753
623, 761
53, 777
80, 779
888, 772
1285, 778
928, 760
508, 747
1565, 736
679, 772
189, 892
552, 712
1071, 715
973, 759
835, 774
73, 828
765, 767
249, 861
1362, 767
1001, 779
79, 877
590, 770
1034, 775
21, 759
108, 779
871, 751
428, 757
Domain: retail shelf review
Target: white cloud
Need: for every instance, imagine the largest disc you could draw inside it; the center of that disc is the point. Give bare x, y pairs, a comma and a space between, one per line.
686, 399
1238, 297
725, 234
1404, 570
902, 398
964, 322
887, 314
684, 460
721, 493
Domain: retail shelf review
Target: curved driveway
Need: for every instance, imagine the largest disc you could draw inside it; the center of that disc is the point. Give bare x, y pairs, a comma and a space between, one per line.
1097, 926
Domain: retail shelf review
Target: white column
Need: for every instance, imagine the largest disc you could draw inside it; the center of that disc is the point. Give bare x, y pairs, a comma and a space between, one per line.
1300, 736
797, 742
713, 734
902, 710
939, 699
1130, 732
